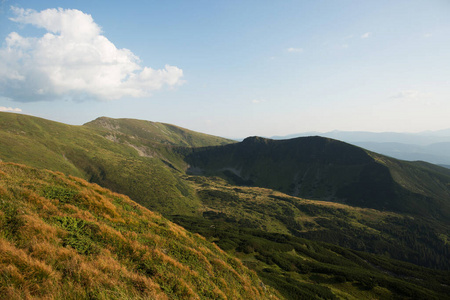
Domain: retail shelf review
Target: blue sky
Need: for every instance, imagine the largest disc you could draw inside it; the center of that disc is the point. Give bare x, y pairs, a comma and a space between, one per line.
230, 68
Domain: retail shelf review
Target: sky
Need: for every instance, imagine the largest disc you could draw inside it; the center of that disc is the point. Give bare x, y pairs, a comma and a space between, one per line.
230, 68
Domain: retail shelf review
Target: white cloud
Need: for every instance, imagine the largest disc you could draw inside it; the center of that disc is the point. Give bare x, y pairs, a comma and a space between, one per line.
10, 109
257, 101
408, 94
366, 35
73, 60
414, 97
295, 50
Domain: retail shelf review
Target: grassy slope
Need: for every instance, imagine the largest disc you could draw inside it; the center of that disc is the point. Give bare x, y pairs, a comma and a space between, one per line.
428, 186
152, 173
135, 165
157, 132
267, 230
418, 240
62, 237
320, 168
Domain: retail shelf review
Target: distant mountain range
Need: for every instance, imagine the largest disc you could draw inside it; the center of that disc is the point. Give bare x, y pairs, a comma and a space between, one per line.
429, 146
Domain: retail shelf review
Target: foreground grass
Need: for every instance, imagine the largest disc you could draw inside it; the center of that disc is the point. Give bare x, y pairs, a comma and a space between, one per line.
62, 237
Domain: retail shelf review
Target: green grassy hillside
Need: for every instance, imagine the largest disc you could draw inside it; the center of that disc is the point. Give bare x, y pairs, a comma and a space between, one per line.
389, 210
156, 132
140, 165
64, 238
326, 169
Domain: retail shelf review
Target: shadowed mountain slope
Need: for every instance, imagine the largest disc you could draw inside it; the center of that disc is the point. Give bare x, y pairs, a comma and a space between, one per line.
418, 240
267, 230
429, 146
326, 169
279, 236
64, 238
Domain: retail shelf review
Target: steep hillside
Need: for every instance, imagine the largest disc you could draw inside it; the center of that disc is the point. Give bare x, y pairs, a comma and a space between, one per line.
64, 238
119, 161
326, 169
284, 238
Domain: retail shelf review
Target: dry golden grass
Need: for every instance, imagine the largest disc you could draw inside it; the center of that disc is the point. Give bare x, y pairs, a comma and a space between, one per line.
64, 238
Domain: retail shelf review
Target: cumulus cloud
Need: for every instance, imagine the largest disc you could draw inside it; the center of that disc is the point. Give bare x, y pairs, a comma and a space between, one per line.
73, 60
365, 35
10, 109
295, 50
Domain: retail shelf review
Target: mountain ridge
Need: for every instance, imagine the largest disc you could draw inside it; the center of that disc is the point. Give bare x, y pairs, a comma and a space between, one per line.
158, 132
420, 138
315, 170
283, 238
430, 146
323, 168
114, 160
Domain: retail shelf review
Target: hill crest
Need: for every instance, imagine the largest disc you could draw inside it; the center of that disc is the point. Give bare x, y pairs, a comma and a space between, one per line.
327, 169
163, 133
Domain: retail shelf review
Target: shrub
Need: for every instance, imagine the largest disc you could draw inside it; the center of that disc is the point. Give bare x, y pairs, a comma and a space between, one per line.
80, 233
61, 193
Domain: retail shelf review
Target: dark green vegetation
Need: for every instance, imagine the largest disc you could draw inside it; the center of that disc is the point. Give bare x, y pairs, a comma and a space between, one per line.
377, 227
64, 238
414, 239
304, 269
326, 169
282, 238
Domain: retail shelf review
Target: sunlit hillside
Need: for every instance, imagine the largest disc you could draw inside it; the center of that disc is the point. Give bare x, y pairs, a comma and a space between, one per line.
276, 206
64, 238
122, 162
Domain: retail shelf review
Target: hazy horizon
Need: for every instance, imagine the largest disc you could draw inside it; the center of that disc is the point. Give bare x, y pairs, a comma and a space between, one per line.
232, 69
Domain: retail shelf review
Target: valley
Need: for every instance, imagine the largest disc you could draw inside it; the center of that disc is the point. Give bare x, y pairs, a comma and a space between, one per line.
313, 217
